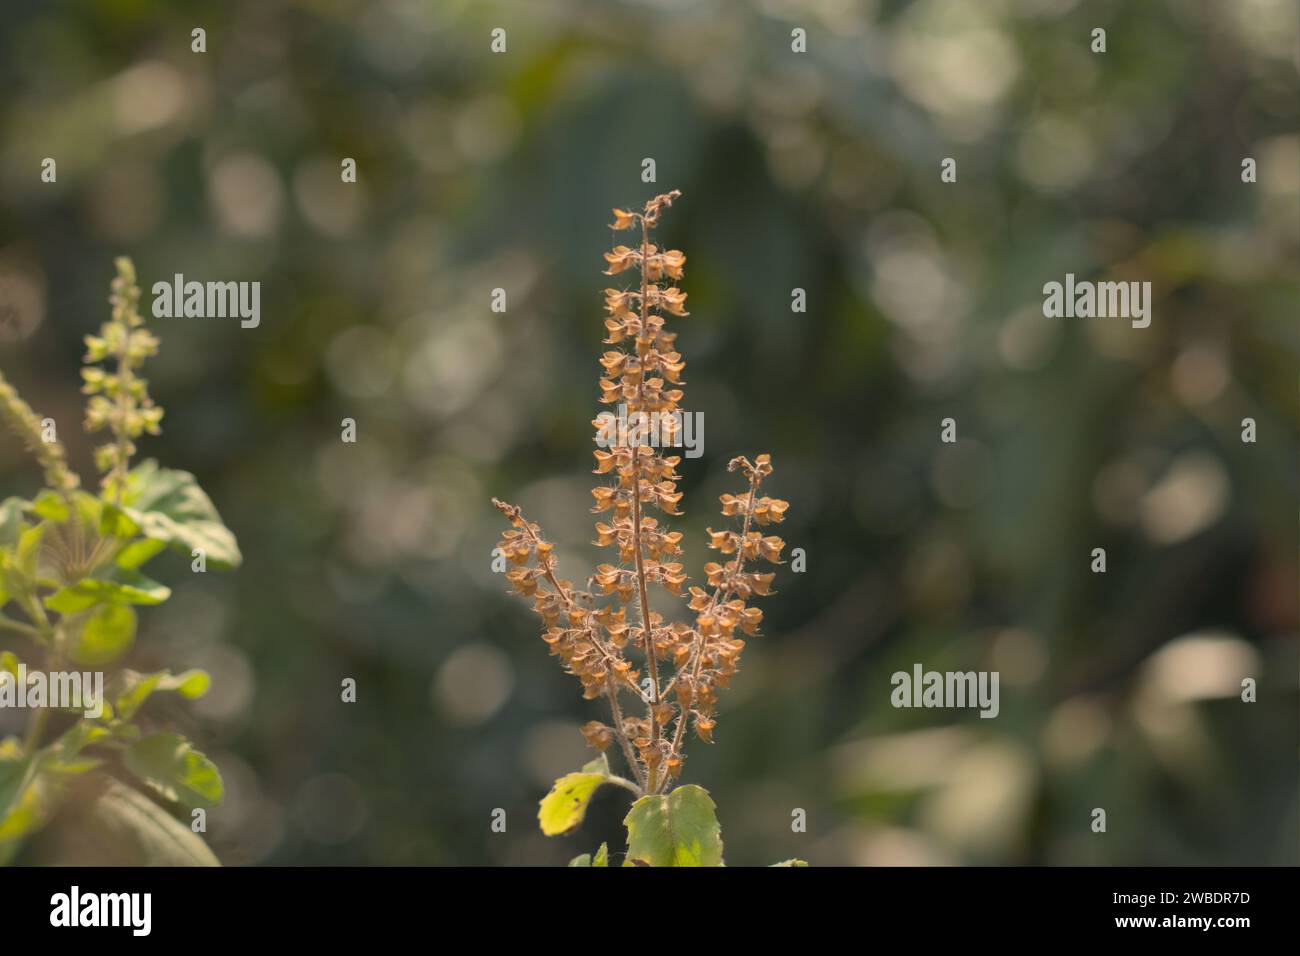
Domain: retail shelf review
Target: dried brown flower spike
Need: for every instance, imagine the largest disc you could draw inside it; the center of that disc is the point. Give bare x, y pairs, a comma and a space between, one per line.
606, 638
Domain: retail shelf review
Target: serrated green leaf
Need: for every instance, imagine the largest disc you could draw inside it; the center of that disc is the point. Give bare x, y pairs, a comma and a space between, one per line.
51, 505
104, 635
116, 523
677, 829
191, 684
170, 764
563, 808
137, 688
79, 507
125, 587
139, 551
64, 755
169, 506
77, 738
601, 858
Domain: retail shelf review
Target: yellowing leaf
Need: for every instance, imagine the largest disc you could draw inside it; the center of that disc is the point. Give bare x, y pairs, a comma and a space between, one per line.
562, 810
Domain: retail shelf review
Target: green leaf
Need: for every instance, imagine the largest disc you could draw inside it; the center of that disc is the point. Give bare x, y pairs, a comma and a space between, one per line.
123, 827
115, 523
125, 587
51, 505
64, 756
28, 799
104, 635
12, 584
191, 684
11, 519
169, 506
135, 554
599, 765
677, 829
562, 810
79, 507
171, 765
72, 766
137, 688
14, 774
586, 859
77, 738
88, 508
28, 550
791, 863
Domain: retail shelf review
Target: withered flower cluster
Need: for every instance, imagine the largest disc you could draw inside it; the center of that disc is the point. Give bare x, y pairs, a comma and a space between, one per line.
602, 634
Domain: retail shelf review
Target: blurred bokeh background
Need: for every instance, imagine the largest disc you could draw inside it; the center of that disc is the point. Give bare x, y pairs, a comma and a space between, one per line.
817, 171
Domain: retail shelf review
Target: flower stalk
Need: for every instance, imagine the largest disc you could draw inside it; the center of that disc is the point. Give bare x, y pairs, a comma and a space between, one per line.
22, 421
592, 632
119, 399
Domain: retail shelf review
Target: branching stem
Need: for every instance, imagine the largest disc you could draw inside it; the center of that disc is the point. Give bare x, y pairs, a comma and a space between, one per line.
612, 682
719, 596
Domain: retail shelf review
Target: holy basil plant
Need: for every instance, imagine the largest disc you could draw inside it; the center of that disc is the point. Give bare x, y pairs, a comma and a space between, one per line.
72, 584
606, 636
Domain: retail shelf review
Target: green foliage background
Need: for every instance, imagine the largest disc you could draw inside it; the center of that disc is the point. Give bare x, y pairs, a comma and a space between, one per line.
818, 171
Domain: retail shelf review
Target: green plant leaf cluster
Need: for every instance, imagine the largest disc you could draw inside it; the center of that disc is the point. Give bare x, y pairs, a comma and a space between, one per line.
70, 590
72, 584
601, 858
679, 828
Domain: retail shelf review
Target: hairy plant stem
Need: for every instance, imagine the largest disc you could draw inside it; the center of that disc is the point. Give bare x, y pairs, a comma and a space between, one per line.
54, 660
32, 740
9, 624
625, 784
652, 784
629, 754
